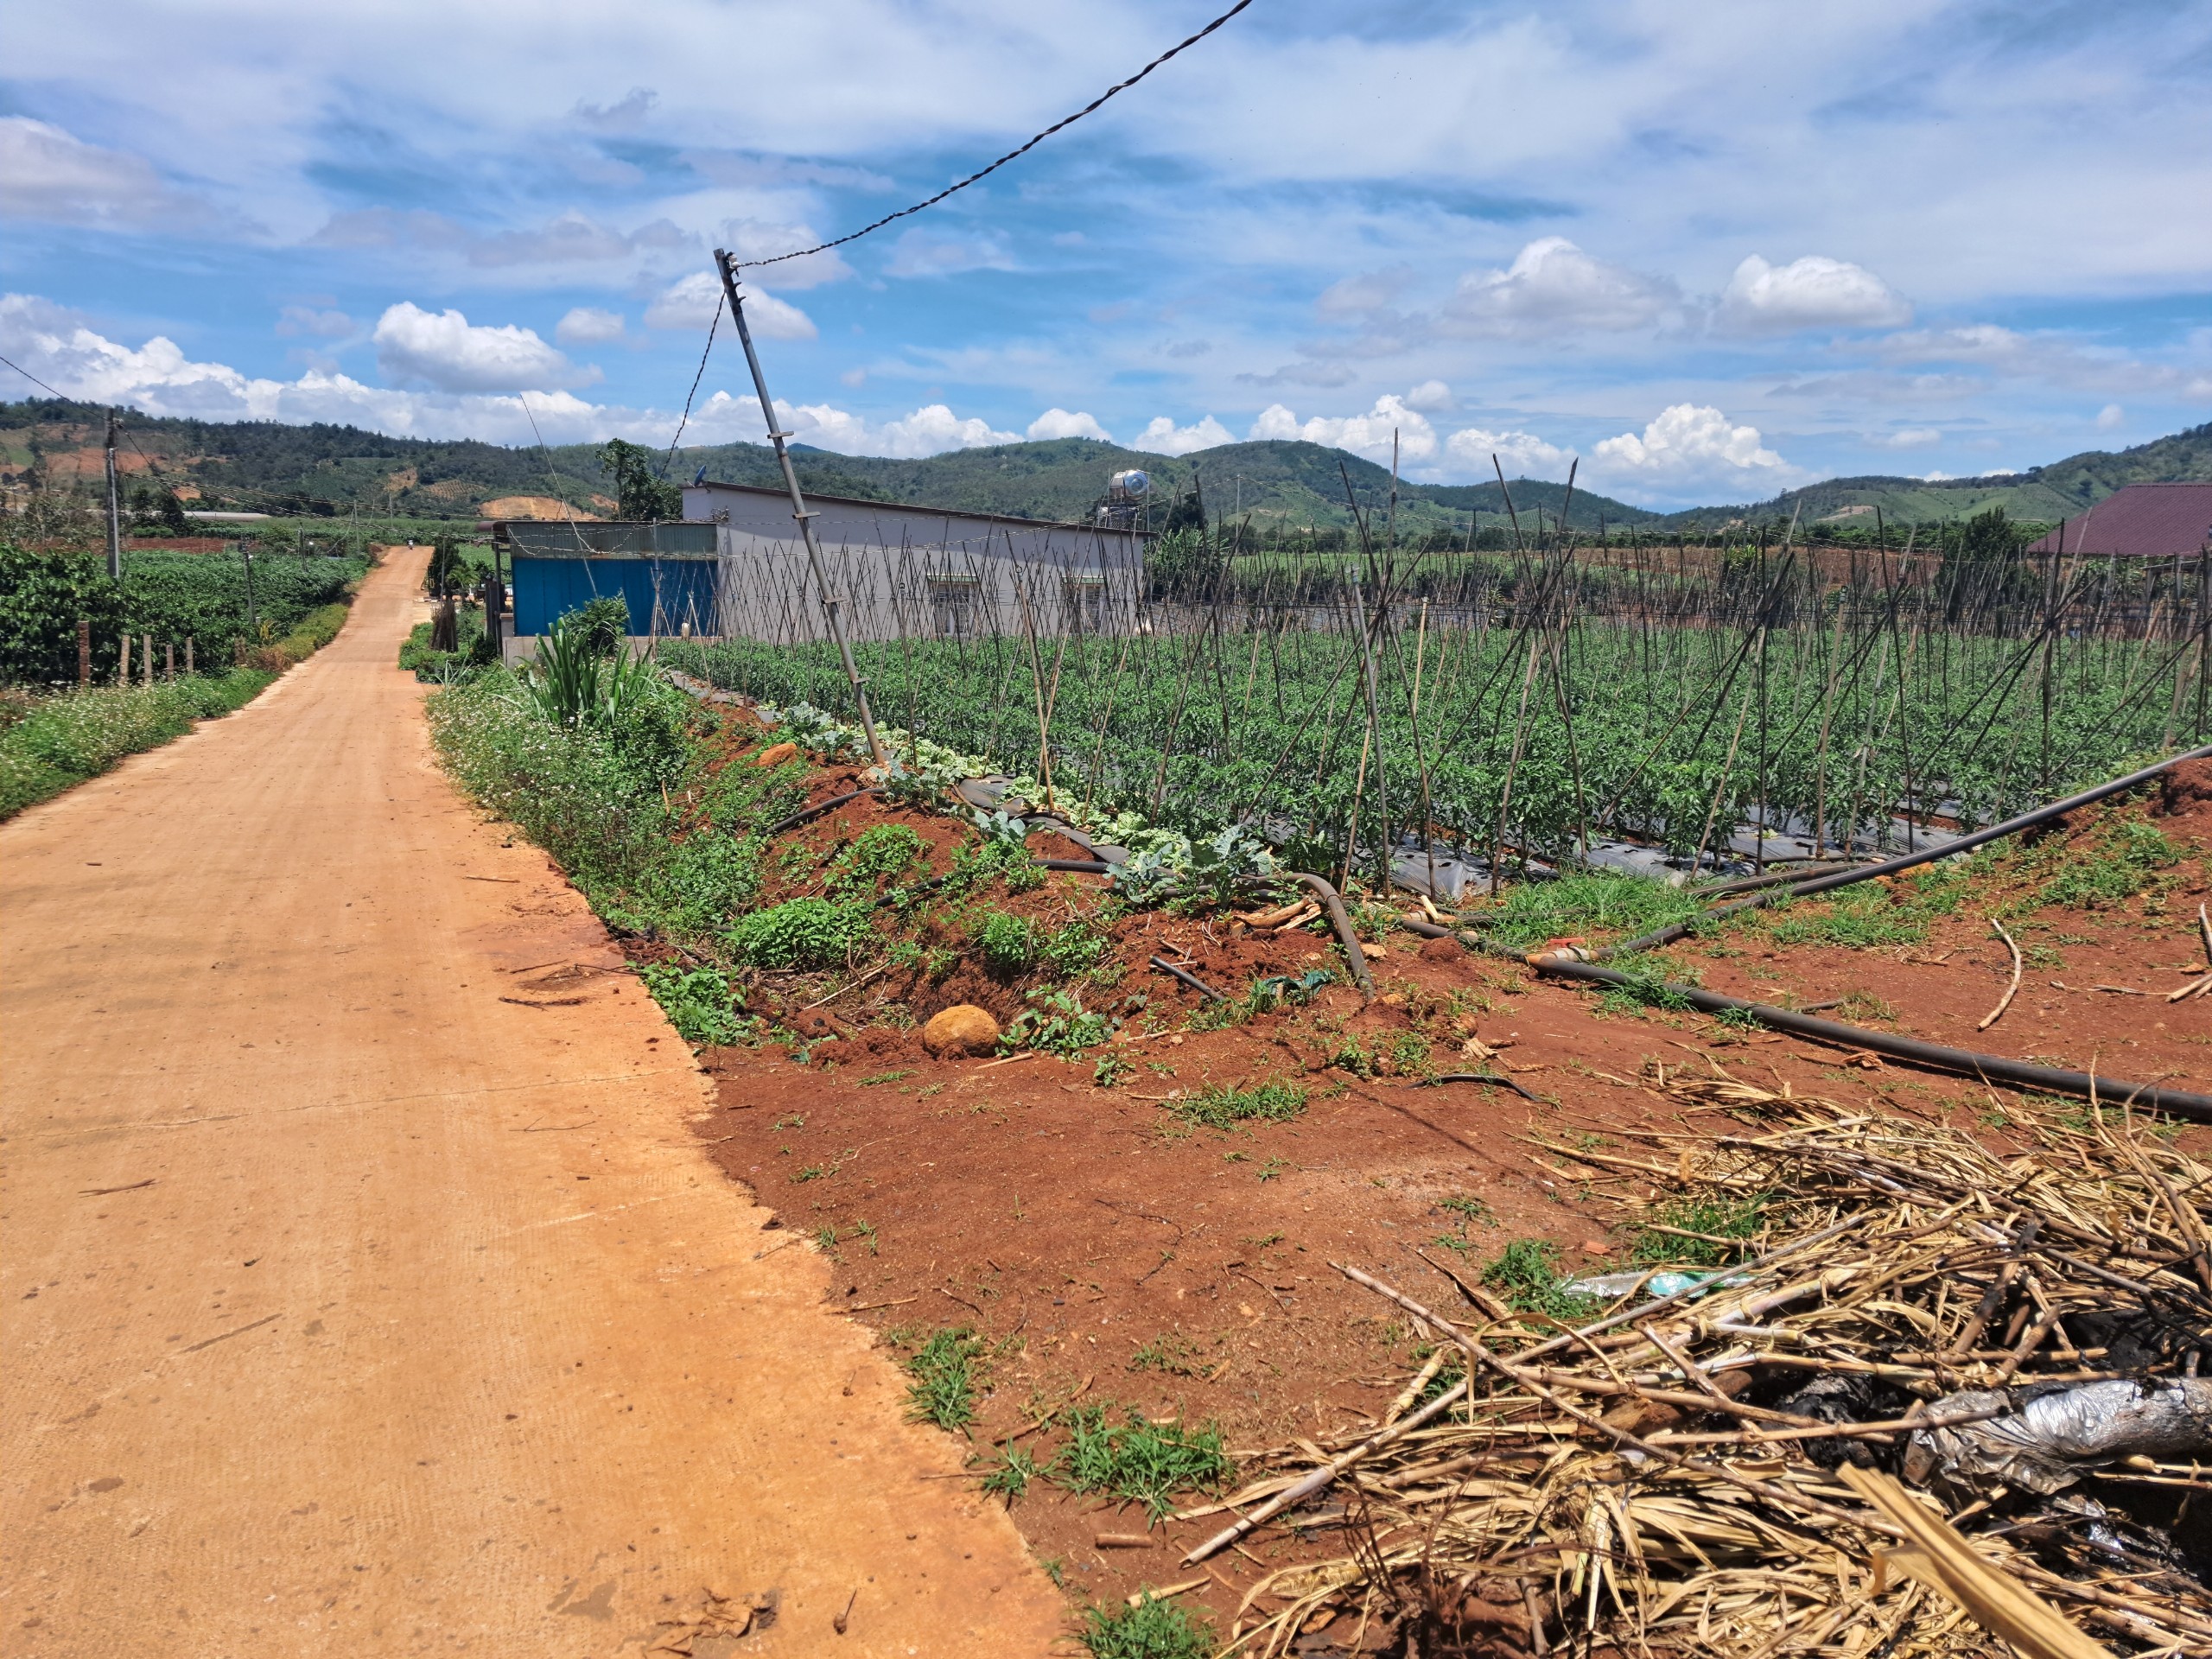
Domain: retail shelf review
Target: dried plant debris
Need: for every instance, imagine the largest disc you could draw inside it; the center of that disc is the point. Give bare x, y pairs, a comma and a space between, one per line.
2014, 1329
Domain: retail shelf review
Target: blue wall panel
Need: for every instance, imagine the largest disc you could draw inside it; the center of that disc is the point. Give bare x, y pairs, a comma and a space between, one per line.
545, 590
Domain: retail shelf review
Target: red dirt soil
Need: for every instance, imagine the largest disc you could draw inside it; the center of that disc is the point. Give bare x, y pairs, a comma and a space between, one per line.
1111, 1252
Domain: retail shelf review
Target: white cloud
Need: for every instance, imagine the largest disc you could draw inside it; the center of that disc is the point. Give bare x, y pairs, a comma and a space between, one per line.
306, 320
690, 303
1429, 397
932, 253
1161, 437
1368, 434
1813, 292
753, 238
2110, 416
50, 175
587, 325
1688, 445
444, 350
1909, 437
930, 430
1061, 424
1554, 288
1521, 454
59, 348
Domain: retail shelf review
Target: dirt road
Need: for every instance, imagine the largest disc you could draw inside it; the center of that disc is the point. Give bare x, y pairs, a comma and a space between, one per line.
366, 1288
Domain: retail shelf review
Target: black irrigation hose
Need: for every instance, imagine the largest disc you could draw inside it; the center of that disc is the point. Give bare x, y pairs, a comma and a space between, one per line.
1333, 902
1830, 882
1080, 866
1481, 1076
808, 814
1991, 1068
1189, 979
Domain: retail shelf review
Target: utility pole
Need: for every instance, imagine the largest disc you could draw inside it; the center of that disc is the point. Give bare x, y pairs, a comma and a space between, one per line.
114, 509
831, 603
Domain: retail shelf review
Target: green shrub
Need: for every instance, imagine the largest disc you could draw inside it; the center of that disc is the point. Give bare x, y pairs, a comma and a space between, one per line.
800, 933
1056, 1022
1008, 944
601, 624
42, 593
704, 880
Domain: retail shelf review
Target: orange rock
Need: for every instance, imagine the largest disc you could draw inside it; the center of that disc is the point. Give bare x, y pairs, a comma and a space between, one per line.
1596, 1247
775, 754
962, 1029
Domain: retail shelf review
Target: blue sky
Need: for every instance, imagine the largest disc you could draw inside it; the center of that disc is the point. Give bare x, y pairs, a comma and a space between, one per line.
1713, 252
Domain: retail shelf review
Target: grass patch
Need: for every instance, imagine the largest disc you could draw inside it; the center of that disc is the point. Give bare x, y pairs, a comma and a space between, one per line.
1151, 1629
1587, 903
1139, 1461
2129, 860
1172, 1355
1220, 1106
1010, 1476
876, 854
1526, 1275
946, 1370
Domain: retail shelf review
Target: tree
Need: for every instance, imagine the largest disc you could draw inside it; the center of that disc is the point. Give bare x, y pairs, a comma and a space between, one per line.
638, 494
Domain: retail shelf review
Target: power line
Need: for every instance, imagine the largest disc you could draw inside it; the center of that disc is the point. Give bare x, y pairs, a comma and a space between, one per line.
1119, 86
712, 325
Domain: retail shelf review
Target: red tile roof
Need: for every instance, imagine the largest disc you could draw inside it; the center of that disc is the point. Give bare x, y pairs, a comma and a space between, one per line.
2140, 520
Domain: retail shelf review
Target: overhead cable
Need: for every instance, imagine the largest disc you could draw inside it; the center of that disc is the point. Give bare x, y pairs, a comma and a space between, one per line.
904, 212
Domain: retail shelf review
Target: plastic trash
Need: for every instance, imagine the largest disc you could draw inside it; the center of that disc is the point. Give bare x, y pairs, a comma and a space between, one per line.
1611, 1286
2050, 1437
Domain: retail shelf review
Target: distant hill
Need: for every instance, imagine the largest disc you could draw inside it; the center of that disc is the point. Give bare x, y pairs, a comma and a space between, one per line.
322, 469
2046, 493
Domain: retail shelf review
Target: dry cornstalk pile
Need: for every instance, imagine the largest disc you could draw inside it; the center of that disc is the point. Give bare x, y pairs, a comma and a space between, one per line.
2015, 1332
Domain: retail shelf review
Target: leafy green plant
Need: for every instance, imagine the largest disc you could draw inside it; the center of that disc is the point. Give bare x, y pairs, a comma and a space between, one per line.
945, 1371
697, 1001
2127, 862
1111, 1071
1139, 1461
1056, 1022
877, 853
1075, 949
1152, 1630
805, 933
1219, 1106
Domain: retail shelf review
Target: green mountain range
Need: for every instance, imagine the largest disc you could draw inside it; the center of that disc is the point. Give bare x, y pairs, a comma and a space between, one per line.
260, 465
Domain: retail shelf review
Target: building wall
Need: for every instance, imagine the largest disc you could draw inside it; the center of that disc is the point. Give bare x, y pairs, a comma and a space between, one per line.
662, 595
906, 571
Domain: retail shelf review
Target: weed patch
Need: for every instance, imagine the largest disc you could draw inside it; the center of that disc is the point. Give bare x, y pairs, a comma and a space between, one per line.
946, 1370
1151, 1629
1527, 1275
1219, 1106
1139, 1461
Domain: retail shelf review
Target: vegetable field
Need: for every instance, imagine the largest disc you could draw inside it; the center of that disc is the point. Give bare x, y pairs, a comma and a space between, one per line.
1524, 708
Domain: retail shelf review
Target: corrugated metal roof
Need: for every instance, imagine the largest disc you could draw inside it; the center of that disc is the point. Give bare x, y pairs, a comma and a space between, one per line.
549, 539
2150, 521
914, 506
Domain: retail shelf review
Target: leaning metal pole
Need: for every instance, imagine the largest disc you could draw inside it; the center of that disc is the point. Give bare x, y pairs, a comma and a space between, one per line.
831, 604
